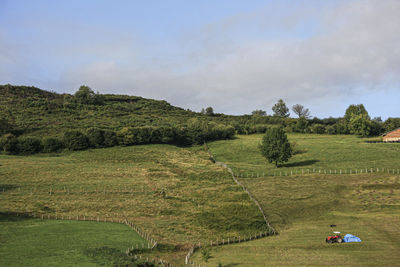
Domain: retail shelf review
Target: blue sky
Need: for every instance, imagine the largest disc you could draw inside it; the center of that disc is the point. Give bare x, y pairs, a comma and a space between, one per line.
236, 56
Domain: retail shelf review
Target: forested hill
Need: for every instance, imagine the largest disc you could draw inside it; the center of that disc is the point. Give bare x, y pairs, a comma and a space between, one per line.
30, 110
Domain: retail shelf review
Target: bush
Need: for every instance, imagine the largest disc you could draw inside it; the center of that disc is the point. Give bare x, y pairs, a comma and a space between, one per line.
75, 140
330, 129
9, 144
51, 144
318, 128
29, 145
95, 137
110, 139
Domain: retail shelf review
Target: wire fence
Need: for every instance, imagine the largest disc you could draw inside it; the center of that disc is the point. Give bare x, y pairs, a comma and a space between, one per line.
231, 240
151, 242
317, 171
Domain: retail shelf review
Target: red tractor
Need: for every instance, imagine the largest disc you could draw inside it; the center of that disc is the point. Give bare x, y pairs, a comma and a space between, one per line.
337, 238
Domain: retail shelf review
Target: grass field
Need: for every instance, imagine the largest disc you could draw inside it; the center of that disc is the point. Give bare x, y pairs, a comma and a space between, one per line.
314, 152
301, 207
33, 242
177, 195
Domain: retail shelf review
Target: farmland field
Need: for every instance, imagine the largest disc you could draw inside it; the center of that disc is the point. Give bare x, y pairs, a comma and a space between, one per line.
177, 195
313, 152
302, 207
180, 197
33, 242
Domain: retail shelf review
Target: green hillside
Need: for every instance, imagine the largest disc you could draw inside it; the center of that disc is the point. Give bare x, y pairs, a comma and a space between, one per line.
30, 110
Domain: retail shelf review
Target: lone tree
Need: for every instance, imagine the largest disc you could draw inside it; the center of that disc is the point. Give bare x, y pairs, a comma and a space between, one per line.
280, 109
275, 146
209, 111
85, 95
300, 111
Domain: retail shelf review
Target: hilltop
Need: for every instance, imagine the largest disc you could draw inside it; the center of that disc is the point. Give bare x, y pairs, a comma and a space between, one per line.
30, 110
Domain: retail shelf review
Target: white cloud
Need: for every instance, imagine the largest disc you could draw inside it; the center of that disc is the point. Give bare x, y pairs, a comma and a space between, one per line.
310, 54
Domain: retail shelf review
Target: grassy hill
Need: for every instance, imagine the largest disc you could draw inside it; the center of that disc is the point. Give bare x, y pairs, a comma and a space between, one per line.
36, 112
177, 195
303, 206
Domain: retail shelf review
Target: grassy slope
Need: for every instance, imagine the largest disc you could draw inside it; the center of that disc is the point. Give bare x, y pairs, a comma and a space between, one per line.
201, 202
316, 151
303, 207
33, 242
38, 112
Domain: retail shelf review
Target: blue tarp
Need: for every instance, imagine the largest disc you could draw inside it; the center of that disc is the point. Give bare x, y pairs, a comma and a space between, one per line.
351, 238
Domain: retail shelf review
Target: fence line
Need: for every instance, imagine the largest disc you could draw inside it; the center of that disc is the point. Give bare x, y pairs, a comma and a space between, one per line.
271, 230
152, 243
227, 241
317, 171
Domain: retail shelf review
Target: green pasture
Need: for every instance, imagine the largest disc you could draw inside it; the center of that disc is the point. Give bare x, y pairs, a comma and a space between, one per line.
33, 242
176, 195
313, 151
302, 207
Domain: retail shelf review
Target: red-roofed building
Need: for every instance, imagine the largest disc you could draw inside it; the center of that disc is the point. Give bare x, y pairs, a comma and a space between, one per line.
392, 136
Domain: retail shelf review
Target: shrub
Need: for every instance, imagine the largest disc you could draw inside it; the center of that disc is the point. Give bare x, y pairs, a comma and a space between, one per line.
9, 144
330, 129
75, 140
95, 137
318, 128
29, 145
51, 144
110, 139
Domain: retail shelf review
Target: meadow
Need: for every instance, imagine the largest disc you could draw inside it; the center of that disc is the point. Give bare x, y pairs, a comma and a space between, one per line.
34, 242
302, 207
176, 195
312, 151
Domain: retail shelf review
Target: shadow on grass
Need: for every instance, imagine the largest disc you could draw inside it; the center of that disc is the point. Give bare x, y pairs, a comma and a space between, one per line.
13, 216
6, 187
300, 163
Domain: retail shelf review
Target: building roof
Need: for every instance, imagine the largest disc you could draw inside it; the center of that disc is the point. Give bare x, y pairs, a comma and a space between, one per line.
393, 133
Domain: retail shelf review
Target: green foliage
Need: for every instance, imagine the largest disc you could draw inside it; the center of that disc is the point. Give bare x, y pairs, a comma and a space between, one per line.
206, 254
318, 128
301, 111
95, 137
85, 95
259, 112
29, 145
360, 125
51, 144
330, 129
301, 125
391, 124
353, 110
280, 109
9, 144
5, 126
75, 140
275, 146
110, 138
209, 111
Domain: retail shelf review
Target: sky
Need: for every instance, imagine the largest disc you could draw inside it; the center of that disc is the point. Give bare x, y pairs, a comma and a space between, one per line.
233, 55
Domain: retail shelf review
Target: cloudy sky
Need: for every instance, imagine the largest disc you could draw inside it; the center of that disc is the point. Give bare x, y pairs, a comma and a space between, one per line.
236, 56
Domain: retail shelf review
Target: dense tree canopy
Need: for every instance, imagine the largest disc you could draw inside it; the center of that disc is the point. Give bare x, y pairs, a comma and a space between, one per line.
280, 109
275, 146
